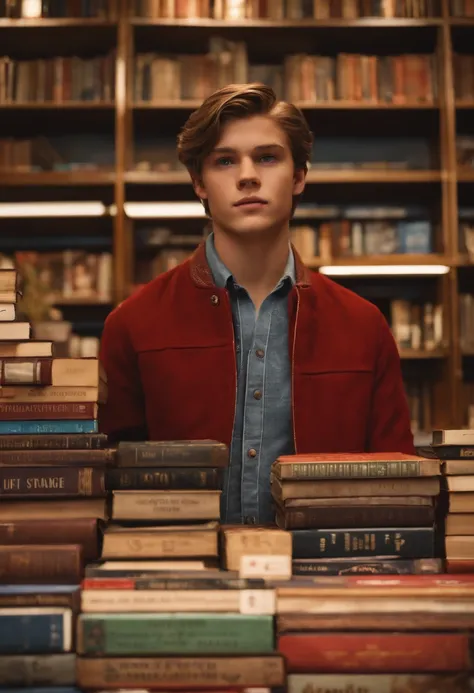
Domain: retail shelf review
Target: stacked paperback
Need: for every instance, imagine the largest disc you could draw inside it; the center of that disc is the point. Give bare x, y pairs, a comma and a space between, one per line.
372, 512
52, 496
455, 449
157, 608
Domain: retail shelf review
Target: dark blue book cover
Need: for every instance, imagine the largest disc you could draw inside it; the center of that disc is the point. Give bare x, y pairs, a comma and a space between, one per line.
35, 427
35, 630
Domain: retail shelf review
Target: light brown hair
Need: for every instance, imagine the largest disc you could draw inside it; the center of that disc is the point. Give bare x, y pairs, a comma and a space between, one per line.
202, 130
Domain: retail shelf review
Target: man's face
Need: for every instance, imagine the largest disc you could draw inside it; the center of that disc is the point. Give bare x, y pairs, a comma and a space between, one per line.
251, 160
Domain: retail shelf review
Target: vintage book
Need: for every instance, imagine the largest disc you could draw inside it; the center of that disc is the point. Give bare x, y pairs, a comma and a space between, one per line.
9, 279
461, 502
53, 508
182, 541
46, 428
42, 481
376, 652
238, 541
69, 372
135, 478
16, 331
454, 452
7, 312
459, 546
150, 601
358, 501
371, 516
59, 458
31, 348
62, 441
457, 437
24, 411
374, 465
413, 542
30, 630
41, 595
150, 568
38, 670
185, 672
459, 523
378, 683
414, 620
460, 566
173, 453
82, 531
41, 563
378, 565
14, 394
458, 467
460, 484
182, 580
282, 490
166, 505
178, 633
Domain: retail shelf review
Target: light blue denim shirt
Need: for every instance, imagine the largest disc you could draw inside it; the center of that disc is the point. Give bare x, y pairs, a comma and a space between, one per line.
263, 427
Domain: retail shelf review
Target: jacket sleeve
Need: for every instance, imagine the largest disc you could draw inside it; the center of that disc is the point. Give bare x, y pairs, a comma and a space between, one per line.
389, 425
122, 417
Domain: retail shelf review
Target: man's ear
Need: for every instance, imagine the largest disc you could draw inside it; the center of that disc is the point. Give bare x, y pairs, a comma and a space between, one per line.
199, 188
299, 181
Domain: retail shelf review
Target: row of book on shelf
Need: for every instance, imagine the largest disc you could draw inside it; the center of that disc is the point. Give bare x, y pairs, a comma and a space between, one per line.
116, 571
400, 79
236, 9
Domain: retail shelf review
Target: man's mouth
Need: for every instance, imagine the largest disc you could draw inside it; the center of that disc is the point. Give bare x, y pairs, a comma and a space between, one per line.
251, 202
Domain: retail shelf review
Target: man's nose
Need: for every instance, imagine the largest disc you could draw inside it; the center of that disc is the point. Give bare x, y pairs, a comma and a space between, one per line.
248, 173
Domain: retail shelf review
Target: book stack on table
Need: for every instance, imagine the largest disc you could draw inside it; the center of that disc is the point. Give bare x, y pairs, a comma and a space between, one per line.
52, 497
157, 610
372, 512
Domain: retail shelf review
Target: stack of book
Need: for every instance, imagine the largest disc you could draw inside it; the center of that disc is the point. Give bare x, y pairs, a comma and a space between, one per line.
455, 449
364, 513
383, 634
157, 608
52, 493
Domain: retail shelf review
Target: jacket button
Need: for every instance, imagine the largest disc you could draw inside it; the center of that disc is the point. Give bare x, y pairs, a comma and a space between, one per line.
215, 300
252, 452
257, 394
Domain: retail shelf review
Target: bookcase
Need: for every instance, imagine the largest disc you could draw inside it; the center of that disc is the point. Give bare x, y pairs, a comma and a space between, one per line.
111, 83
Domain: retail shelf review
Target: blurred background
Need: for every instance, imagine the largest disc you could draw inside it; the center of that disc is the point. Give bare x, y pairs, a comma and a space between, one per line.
93, 202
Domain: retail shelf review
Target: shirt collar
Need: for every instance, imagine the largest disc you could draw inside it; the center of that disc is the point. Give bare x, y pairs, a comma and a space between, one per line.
221, 274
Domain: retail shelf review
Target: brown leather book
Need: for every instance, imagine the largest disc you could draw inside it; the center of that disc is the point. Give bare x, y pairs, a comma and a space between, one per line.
41, 564
37, 411
48, 371
173, 453
24, 482
54, 441
51, 458
355, 516
83, 531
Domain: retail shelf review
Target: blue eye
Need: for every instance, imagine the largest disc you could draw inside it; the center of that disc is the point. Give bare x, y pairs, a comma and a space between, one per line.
224, 161
267, 158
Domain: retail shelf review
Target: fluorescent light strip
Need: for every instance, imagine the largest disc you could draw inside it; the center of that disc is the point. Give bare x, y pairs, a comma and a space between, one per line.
168, 210
52, 209
378, 270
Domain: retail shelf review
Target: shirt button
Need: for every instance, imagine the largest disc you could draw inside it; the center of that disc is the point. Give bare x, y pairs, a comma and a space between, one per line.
257, 394
260, 353
252, 452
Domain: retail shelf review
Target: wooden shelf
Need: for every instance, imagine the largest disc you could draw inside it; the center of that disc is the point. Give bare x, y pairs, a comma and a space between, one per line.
57, 106
76, 301
362, 23
468, 353
466, 105
66, 178
372, 176
191, 104
419, 354
383, 260
157, 178
465, 176
462, 21
48, 23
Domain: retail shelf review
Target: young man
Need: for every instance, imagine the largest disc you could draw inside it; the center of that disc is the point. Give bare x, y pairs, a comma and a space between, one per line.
242, 343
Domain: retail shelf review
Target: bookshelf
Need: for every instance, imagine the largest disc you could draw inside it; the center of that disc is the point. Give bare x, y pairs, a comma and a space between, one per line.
119, 179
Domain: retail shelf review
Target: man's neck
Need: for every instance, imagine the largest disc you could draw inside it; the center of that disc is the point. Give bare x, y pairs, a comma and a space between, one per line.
257, 264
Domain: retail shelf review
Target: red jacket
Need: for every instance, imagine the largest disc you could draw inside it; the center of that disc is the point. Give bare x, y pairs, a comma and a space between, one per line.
169, 355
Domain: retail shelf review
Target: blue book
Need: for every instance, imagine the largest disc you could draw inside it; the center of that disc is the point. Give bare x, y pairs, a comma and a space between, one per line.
415, 237
35, 630
59, 426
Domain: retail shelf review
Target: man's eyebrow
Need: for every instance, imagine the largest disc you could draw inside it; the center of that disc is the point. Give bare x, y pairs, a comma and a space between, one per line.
231, 150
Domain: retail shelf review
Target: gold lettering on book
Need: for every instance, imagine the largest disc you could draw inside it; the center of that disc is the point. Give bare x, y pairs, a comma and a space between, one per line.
11, 484
84, 481
38, 483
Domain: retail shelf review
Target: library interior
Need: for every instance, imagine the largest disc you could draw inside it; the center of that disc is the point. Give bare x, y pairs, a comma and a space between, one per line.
117, 567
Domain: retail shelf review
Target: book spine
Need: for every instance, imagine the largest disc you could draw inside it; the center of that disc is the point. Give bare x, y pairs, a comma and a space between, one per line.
179, 672
183, 634
84, 532
351, 470
355, 516
339, 543
33, 633
68, 601
376, 652
377, 683
168, 455
33, 371
38, 670
455, 452
163, 478
392, 622
48, 427
26, 411
221, 583
61, 564
63, 441
29, 457
346, 566
25, 482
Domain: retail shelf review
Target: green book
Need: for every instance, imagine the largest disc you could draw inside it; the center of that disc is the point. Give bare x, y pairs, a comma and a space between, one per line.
150, 634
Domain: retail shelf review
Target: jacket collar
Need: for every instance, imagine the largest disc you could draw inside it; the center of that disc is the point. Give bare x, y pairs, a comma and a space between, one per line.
201, 273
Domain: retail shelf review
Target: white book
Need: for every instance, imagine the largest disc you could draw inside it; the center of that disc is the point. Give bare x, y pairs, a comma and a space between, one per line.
7, 312
453, 437
15, 330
